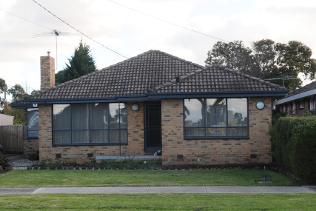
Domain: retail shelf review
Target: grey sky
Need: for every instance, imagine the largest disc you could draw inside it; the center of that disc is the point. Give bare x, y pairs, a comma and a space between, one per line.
131, 33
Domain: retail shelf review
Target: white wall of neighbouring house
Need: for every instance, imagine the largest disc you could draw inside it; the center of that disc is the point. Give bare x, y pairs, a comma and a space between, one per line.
6, 120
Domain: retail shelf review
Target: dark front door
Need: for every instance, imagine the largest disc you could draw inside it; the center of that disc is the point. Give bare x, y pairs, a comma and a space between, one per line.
152, 127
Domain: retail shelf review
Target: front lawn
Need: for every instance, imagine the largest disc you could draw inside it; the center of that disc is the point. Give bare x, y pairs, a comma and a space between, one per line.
235, 176
161, 202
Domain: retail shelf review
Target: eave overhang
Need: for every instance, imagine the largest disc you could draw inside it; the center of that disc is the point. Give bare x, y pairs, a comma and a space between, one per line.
148, 97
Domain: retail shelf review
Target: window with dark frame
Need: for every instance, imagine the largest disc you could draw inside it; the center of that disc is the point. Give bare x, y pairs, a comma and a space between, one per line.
215, 118
90, 124
32, 123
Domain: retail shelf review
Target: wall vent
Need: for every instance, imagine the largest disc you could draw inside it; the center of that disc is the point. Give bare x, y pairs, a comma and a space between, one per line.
180, 157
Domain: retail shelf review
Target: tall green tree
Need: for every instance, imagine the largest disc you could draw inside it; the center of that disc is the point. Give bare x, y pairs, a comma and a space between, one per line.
266, 59
234, 55
17, 92
81, 63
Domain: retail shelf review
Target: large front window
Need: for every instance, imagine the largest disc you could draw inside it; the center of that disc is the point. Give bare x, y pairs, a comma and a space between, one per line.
90, 124
216, 118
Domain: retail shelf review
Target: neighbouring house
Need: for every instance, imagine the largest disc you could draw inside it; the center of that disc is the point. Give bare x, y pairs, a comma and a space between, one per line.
6, 119
154, 101
300, 102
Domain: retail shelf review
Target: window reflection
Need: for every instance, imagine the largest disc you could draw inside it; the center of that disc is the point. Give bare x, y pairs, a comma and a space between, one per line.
216, 117
216, 112
237, 112
32, 123
98, 123
193, 110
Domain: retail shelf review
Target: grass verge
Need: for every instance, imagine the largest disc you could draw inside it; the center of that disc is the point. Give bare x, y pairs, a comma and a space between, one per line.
49, 178
161, 202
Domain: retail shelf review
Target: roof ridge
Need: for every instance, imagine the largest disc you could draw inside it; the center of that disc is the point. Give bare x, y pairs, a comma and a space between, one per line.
254, 78
174, 80
178, 58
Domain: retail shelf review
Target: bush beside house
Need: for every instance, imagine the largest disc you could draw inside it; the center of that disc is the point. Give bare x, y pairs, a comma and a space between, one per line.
294, 146
3, 160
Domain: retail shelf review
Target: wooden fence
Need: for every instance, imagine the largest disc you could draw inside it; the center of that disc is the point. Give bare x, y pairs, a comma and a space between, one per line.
11, 138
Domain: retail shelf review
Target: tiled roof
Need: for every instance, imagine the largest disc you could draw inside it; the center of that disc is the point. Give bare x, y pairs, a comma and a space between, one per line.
219, 80
305, 91
156, 73
305, 88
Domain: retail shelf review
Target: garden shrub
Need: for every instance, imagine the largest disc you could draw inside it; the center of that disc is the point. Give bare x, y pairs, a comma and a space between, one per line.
104, 164
294, 146
3, 162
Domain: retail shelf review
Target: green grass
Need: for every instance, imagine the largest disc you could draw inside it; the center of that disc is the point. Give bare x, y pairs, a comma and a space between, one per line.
40, 178
161, 202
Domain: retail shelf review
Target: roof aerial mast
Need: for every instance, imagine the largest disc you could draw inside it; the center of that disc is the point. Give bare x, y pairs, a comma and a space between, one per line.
55, 33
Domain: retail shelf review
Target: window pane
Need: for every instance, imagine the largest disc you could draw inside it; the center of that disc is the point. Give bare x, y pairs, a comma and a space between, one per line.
216, 112
99, 116
191, 132
62, 137
79, 116
237, 132
80, 136
61, 117
99, 136
124, 136
114, 115
237, 112
32, 123
216, 132
114, 136
123, 115
193, 112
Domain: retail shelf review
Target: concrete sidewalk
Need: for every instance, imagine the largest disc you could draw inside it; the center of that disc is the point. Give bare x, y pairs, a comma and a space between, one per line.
169, 189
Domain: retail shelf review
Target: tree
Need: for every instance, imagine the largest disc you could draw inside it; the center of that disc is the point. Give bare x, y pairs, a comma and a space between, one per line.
18, 113
81, 63
233, 55
17, 92
266, 59
3, 90
35, 93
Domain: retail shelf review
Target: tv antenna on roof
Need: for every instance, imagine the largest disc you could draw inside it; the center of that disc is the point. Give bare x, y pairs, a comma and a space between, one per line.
55, 33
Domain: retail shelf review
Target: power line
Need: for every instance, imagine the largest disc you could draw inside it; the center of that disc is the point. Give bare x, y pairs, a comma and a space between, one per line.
25, 19
77, 30
168, 22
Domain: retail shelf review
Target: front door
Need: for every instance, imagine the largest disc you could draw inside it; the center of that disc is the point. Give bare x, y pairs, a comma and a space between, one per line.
152, 127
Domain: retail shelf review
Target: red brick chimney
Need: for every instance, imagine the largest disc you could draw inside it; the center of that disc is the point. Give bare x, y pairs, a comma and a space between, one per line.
47, 72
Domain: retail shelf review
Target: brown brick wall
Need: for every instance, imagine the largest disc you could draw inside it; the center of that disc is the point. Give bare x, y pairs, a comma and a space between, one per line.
202, 152
30, 147
177, 151
78, 154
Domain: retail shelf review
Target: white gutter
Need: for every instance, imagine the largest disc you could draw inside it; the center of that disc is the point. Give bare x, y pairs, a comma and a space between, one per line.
297, 96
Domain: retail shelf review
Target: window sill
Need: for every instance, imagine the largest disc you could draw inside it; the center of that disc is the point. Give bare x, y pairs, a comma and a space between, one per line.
31, 138
84, 145
217, 138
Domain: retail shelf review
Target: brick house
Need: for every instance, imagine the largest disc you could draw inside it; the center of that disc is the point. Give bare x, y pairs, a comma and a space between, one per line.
154, 101
300, 102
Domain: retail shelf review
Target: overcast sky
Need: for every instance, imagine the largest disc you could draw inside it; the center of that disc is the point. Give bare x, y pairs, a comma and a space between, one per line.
131, 33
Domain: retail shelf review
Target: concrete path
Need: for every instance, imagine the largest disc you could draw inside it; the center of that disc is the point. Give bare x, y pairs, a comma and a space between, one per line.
16, 191
170, 189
